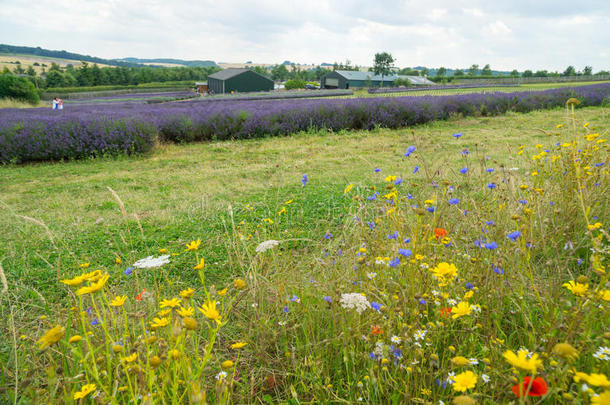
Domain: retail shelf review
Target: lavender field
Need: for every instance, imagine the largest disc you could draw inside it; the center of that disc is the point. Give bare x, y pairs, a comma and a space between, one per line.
83, 131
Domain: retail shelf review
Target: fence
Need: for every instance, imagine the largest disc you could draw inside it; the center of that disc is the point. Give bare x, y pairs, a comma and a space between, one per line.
524, 80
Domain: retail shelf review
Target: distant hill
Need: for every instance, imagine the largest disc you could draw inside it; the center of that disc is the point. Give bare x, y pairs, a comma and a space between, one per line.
450, 72
167, 61
38, 51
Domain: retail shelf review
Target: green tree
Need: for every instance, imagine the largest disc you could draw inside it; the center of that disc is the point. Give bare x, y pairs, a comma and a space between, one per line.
383, 64
486, 70
473, 70
441, 72
19, 70
279, 72
458, 73
30, 71
541, 73
527, 73
424, 72
570, 71
514, 73
18, 88
587, 71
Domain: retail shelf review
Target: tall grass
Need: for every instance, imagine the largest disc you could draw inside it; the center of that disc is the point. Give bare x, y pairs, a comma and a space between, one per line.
12, 103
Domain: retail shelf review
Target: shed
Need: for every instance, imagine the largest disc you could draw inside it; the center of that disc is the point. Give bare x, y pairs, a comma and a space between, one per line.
346, 79
202, 87
238, 80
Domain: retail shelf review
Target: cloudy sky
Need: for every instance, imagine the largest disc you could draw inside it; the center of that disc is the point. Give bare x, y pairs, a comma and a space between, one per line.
521, 34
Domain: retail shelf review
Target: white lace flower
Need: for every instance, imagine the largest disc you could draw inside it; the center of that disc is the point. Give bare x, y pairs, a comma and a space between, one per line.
603, 353
266, 245
355, 301
151, 262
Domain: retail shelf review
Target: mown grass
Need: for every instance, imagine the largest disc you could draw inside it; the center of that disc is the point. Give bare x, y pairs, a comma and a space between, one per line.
223, 192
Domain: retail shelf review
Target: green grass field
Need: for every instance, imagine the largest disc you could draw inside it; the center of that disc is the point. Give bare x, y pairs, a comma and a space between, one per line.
234, 195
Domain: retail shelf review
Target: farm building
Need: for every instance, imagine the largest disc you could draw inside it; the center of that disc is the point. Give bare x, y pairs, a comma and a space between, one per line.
347, 79
238, 80
202, 87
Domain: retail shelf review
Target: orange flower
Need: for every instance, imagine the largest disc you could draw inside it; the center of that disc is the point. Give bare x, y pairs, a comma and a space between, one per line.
439, 233
377, 330
446, 311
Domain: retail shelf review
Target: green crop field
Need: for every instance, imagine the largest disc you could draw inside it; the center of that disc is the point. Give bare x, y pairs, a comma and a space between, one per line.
332, 268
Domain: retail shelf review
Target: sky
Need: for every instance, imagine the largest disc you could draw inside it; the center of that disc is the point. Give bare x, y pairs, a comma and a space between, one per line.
517, 34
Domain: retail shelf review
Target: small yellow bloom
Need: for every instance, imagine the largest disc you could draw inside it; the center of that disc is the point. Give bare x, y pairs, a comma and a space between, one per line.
155, 361
348, 188
50, 337
460, 361
601, 399
566, 350
576, 288
268, 220
162, 251
159, 322
222, 292
174, 354
189, 323
173, 303
595, 226
118, 301
200, 265
188, 293
117, 260
209, 310
84, 265
84, 391
461, 309
288, 202
194, 245
75, 339
131, 358
238, 345
95, 286
186, 312
520, 360
464, 381
226, 364
239, 284
282, 211
164, 312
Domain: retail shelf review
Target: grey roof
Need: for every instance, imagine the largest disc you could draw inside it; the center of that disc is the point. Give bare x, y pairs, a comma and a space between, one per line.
358, 75
227, 73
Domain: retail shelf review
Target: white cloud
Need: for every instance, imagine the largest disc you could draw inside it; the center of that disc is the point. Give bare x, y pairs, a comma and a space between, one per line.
499, 28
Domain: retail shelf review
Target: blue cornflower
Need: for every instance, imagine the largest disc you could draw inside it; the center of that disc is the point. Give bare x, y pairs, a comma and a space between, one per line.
465, 212
340, 252
95, 322
498, 270
286, 309
405, 252
371, 225
422, 301
454, 201
398, 182
528, 245
465, 152
599, 164
410, 196
328, 235
89, 310
304, 180
513, 235
373, 197
464, 170
376, 306
410, 150
128, 271
490, 223
430, 209
491, 245
458, 135
491, 186
393, 235
415, 169
524, 202
469, 286
490, 170
327, 299
579, 262
478, 243
377, 170
294, 298
394, 262
407, 240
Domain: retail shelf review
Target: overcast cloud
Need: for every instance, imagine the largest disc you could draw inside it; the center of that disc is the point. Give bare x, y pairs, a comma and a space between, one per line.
517, 34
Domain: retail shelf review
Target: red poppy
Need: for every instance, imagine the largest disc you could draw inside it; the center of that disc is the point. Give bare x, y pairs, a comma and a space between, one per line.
446, 311
439, 233
139, 296
377, 330
538, 387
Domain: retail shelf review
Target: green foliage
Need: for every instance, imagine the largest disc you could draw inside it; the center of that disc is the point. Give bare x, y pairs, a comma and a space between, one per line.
383, 63
294, 84
18, 88
486, 71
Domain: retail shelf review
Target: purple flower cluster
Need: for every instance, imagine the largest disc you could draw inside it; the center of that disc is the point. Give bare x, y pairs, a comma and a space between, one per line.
81, 131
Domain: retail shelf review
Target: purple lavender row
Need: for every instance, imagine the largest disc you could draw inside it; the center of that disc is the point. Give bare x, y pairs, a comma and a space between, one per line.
83, 130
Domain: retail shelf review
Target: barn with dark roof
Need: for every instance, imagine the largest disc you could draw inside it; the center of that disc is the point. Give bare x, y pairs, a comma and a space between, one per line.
348, 79
239, 81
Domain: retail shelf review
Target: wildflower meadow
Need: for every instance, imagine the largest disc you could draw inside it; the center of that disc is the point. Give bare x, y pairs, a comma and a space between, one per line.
456, 267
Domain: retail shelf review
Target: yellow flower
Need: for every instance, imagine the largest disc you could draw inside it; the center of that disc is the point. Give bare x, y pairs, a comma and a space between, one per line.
131, 358
566, 350
84, 391
73, 282
598, 380
84, 265
268, 220
209, 310
604, 295
155, 361
188, 293
222, 292
173, 303
595, 226
162, 251
464, 381
75, 339
445, 271
93, 287
174, 354
52, 336
601, 399
576, 288
390, 179
118, 301
200, 265
194, 245
238, 345
520, 360
93, 276
189, 323
461, 309
159, 322
459, 361
226, 364
282, 211
185, 312
164, 312
288, 202
118, 260
239, 284
348, 188
468, 295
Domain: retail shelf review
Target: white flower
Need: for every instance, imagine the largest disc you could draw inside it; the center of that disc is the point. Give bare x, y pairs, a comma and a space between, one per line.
221, 376
485, 377
474, 362
528, 354
282, 323
450, 377
396, 339
603, 353
266, 245
151, 262
476, 308
355, 301
420, 334
371, 275
452, 302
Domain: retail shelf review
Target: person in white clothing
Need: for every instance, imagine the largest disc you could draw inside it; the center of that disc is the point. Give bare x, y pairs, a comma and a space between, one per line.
55, 103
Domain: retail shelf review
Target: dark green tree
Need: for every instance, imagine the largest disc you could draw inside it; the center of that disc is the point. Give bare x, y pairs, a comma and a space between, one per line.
570, 71
473, 70
18, 88
514, 73
486, 70
587, 71
527, 73
458, 73
383, 64
441, 72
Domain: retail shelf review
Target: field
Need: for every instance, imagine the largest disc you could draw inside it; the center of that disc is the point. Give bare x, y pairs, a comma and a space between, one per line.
8, 60
474, 249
